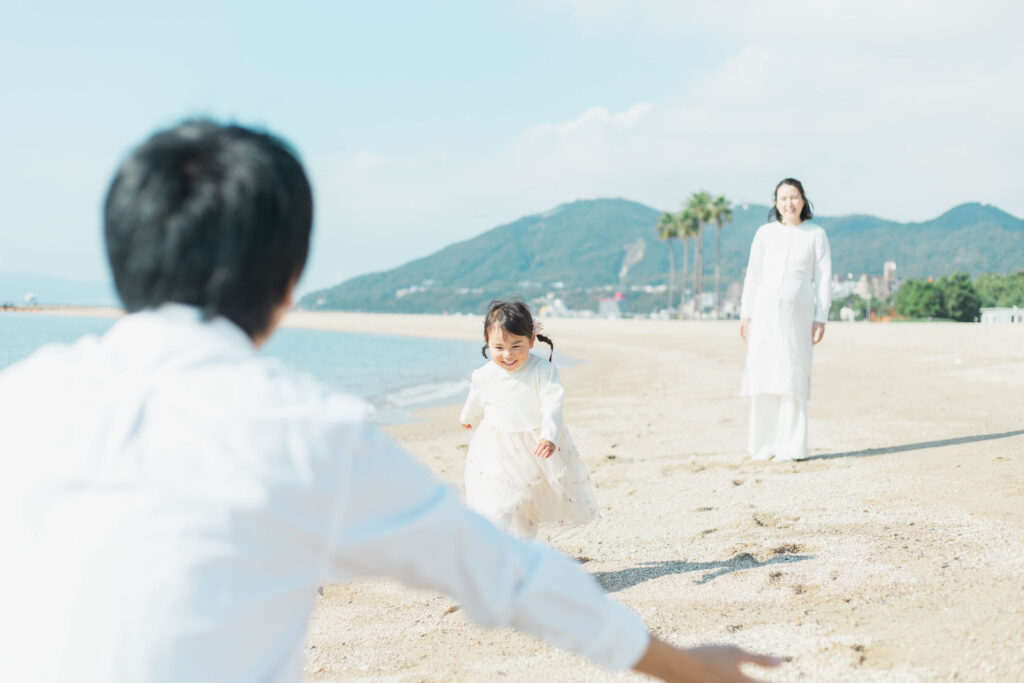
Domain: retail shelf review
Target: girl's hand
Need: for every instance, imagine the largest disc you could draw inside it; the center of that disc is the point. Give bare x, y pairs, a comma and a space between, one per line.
744, 328
466, 426
544, 449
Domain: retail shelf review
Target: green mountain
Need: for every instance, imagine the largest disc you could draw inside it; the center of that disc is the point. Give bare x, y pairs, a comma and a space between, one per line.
579, 249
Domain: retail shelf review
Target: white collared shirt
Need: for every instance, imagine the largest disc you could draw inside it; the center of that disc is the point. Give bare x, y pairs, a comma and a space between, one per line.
170, 501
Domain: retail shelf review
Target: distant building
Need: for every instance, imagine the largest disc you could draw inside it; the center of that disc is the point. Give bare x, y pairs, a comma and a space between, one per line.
867, 286
731, 302
863, 287
871, 287
889, 281
730, 309
555, 308
842, 288
1002, 315
609, 308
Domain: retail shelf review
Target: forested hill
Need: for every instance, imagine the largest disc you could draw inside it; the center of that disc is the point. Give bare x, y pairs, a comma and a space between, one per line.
584, 244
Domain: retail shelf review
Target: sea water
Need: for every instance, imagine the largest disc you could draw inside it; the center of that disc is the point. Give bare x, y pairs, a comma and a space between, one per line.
396, 374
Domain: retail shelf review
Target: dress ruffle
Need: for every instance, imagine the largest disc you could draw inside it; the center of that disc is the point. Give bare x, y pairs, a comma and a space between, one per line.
510, 485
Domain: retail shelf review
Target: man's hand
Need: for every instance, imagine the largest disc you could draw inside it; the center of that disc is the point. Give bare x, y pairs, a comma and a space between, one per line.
706, 664
544, 449
817, 332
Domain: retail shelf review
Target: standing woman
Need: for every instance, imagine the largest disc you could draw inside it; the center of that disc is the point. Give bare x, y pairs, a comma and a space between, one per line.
786, 299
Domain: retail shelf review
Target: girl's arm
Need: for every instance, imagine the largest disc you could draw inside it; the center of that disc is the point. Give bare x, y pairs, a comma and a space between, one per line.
473, 409
550, 390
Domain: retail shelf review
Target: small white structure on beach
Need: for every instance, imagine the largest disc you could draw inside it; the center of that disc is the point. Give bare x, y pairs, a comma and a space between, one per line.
1002, 315
608, 308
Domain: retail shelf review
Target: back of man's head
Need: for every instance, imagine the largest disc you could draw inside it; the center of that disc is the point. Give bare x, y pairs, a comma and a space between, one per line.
214, 216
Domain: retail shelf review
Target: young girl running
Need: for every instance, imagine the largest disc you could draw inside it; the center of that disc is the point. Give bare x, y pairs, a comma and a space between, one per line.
523, 469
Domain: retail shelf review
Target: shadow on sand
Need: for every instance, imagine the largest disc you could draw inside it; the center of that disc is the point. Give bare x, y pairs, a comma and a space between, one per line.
645, 571
915, 446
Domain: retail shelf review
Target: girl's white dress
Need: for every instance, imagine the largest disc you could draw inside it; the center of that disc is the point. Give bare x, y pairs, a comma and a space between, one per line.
505, 481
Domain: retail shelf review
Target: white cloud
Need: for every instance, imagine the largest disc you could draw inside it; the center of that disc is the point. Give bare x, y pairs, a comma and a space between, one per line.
899, 108
873, 20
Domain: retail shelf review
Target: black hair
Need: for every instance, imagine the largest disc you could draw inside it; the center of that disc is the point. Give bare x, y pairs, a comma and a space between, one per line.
514, 317
213, 216
806, 214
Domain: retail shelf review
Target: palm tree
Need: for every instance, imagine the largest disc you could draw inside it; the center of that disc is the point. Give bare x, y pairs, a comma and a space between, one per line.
687, 230
723, 214
668, 230
702, 207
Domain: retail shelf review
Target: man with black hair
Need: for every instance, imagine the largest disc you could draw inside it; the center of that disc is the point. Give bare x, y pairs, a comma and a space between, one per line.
171, 500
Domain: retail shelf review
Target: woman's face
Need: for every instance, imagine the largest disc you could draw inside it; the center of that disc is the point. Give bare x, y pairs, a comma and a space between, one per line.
789, 203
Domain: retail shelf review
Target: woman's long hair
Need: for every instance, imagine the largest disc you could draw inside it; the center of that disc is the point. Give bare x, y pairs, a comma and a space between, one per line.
806, 214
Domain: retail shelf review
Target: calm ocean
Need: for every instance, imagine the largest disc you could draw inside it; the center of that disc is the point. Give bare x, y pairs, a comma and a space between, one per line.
396, 374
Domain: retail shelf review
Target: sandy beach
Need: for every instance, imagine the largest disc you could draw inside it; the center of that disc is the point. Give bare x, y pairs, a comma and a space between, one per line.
896, 553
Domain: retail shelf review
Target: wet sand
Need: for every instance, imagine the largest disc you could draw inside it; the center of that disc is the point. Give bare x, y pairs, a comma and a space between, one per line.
895, 553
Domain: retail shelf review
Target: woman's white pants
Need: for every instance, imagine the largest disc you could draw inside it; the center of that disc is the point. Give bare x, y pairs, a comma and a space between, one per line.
778, 426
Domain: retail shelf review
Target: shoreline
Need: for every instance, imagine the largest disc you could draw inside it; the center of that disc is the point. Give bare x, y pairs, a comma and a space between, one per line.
68, 309
354, 323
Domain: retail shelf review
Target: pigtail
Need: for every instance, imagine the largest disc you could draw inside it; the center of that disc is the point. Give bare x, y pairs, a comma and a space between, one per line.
547, 340
483, 349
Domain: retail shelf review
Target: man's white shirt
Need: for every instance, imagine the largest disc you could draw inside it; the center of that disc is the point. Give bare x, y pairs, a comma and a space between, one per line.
170, 500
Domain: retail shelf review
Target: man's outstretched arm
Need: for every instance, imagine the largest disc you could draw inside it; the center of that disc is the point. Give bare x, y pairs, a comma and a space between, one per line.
400, 522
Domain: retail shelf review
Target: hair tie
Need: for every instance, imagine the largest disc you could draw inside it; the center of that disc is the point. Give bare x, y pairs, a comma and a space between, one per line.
537, 327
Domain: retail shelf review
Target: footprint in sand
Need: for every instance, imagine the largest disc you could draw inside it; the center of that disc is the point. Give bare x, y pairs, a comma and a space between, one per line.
787, 549
768, 519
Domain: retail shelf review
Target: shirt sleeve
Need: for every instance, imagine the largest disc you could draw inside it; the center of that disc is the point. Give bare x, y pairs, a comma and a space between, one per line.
473, 409
753, 278
551, 393
398, 521
822, 278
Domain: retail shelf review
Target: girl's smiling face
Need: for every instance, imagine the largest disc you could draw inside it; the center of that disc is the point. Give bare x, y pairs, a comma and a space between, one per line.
508, 351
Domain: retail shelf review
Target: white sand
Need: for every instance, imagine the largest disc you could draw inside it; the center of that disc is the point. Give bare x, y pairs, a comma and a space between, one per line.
896, 553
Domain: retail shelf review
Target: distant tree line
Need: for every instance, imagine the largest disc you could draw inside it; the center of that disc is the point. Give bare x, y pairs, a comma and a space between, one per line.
953, 297
956, 297
1001, 290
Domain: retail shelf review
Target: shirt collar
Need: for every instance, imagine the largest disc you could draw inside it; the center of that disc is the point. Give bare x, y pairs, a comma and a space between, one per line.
177, 334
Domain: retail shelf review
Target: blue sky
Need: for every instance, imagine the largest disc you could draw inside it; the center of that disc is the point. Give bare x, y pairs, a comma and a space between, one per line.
423, 123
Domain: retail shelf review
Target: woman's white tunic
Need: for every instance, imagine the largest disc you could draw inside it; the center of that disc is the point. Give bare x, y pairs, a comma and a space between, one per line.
787, 289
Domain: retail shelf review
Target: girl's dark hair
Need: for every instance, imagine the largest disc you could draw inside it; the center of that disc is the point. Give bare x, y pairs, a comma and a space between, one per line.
806, 214
514, 317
